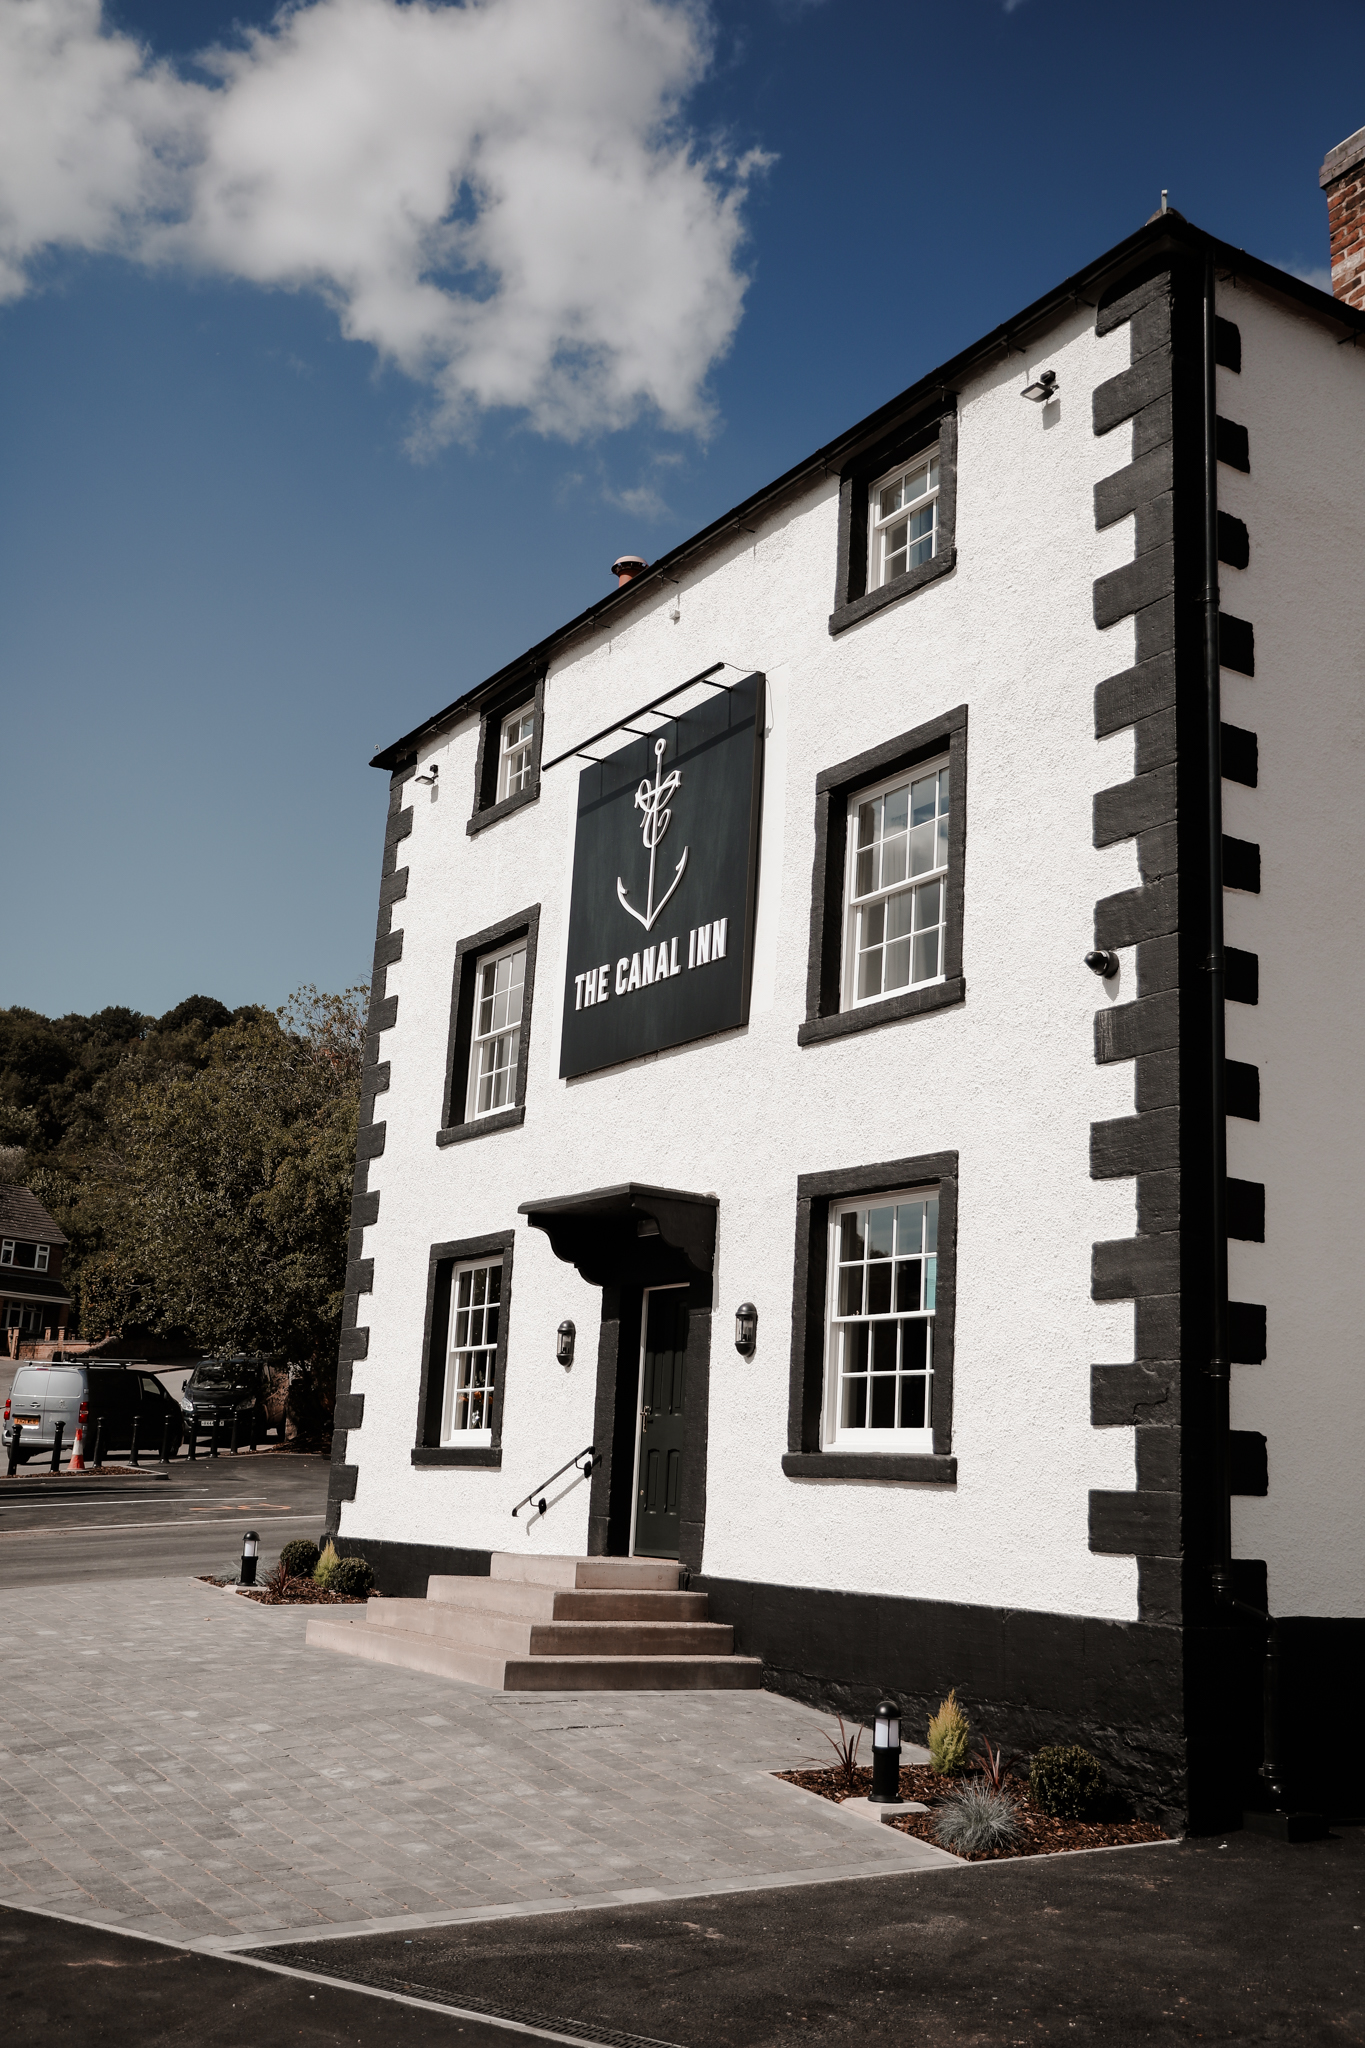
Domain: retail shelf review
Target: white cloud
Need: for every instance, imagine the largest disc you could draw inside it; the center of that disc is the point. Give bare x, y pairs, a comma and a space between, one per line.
499, 197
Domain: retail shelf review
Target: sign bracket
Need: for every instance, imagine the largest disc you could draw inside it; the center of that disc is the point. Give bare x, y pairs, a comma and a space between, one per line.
622, 725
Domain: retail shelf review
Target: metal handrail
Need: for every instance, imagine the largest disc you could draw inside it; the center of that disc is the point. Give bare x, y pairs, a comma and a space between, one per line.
529, 1500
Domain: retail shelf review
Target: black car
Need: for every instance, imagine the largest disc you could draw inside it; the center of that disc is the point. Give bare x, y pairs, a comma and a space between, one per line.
220, 1389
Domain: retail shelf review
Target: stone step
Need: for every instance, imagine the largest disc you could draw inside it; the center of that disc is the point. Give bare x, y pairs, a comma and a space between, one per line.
511, 1635
410, 1652
633, 1674
442, 1659
556, 1603
640, 1574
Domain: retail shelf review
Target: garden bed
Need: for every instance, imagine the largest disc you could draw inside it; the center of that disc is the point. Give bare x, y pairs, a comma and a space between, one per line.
294, 1593
1039, 1833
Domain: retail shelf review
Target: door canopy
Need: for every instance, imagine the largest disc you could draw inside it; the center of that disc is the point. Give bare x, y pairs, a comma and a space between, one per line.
631, 1236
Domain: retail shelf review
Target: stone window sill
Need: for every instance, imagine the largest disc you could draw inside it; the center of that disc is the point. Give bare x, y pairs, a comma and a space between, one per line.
926, 1467
916, 1002
493, 814
860, 608
486, 1457
483, 1126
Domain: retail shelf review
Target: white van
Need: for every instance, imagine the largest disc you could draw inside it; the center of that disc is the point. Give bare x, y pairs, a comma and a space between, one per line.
116, 1392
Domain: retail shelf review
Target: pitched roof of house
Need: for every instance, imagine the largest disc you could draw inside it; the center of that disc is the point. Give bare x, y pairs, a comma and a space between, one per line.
23, 1215
1164, 232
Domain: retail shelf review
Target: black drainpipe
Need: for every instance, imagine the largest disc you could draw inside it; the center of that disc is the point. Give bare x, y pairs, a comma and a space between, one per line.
1220, 1364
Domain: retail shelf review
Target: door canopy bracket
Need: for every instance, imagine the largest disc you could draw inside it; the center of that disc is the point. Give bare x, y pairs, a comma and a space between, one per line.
631, 1236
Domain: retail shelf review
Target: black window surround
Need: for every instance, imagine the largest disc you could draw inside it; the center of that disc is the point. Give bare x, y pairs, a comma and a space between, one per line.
835, 790
805, 1458
456, 1125
429, 1450
530, 689
853, 601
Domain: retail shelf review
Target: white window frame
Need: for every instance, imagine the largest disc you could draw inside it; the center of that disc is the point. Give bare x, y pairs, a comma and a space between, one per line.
516, 747
466, 1359
881, 527
836, 1434
509, 1029
7, 1258
858, 908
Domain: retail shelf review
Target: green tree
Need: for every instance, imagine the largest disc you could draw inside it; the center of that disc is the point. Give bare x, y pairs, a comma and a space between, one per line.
225, 1201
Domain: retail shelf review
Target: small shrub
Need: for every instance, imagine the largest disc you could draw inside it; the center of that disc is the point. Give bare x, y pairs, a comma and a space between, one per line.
993, 1764
326, 1564
949, 1738
845, 1747
1064, 1779
353, 1577
975, 1818
299, 1558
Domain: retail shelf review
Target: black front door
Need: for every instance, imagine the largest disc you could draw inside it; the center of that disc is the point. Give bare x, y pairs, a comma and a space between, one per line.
662, 1391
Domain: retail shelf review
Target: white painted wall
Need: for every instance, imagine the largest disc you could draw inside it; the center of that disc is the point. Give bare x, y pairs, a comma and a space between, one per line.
1302, 398
1008, 1079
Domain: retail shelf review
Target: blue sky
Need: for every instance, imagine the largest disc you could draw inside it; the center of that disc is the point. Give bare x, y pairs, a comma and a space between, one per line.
238, 551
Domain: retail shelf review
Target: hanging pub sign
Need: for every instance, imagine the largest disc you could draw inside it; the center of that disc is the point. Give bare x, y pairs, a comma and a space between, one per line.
665, 879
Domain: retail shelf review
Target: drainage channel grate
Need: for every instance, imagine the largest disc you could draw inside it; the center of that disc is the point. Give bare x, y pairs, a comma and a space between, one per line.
411, 1987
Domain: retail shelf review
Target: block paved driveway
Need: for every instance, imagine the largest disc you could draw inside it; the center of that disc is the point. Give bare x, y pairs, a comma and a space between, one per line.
178, 1763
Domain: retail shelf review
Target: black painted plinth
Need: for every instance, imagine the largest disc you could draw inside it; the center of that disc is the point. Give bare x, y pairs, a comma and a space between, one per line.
1287, 1827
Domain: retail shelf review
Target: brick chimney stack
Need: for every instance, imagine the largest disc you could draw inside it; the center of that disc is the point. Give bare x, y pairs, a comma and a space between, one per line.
1342, 178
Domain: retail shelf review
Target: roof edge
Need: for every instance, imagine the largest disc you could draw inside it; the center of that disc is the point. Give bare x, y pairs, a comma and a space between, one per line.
1165, 230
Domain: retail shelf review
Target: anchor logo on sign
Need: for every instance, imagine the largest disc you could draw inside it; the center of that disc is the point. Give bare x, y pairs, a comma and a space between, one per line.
651, 798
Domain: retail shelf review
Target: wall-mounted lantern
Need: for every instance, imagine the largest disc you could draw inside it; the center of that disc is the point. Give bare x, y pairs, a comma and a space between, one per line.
746, 1329
886, 1755
564, 1343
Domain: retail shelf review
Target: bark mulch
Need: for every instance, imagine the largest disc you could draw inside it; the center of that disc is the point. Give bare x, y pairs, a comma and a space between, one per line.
294, 1593
1039, 1833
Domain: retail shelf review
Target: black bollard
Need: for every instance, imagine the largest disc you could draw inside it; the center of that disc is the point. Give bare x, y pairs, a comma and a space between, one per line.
166, 1452
254, 1432
98, 1460
236, 1418
190, 1446
14, 1448
251, 1550
132, 1447
57, 1446
886, 1756
213, 1436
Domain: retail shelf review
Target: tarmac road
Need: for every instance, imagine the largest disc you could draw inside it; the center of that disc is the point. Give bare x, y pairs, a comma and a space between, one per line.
142, 1525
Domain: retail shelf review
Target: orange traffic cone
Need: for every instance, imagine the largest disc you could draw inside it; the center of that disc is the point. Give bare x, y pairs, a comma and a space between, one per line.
78, 1450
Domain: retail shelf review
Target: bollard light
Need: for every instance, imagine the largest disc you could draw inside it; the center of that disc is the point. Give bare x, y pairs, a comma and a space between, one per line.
886, 1755
564, 1343
746, 1329
251, 1550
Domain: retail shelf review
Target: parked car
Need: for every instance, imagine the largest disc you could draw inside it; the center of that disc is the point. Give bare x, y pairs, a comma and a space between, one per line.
247, 1385
115, 1391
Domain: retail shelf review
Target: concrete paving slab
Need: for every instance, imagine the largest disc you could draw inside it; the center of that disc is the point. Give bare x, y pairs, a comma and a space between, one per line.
205, 1769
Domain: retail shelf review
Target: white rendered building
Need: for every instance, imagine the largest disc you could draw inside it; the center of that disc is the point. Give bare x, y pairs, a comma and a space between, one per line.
865, 980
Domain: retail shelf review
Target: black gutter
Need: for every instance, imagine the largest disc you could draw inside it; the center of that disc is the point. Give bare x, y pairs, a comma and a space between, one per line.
1219, 1363
1165, 231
